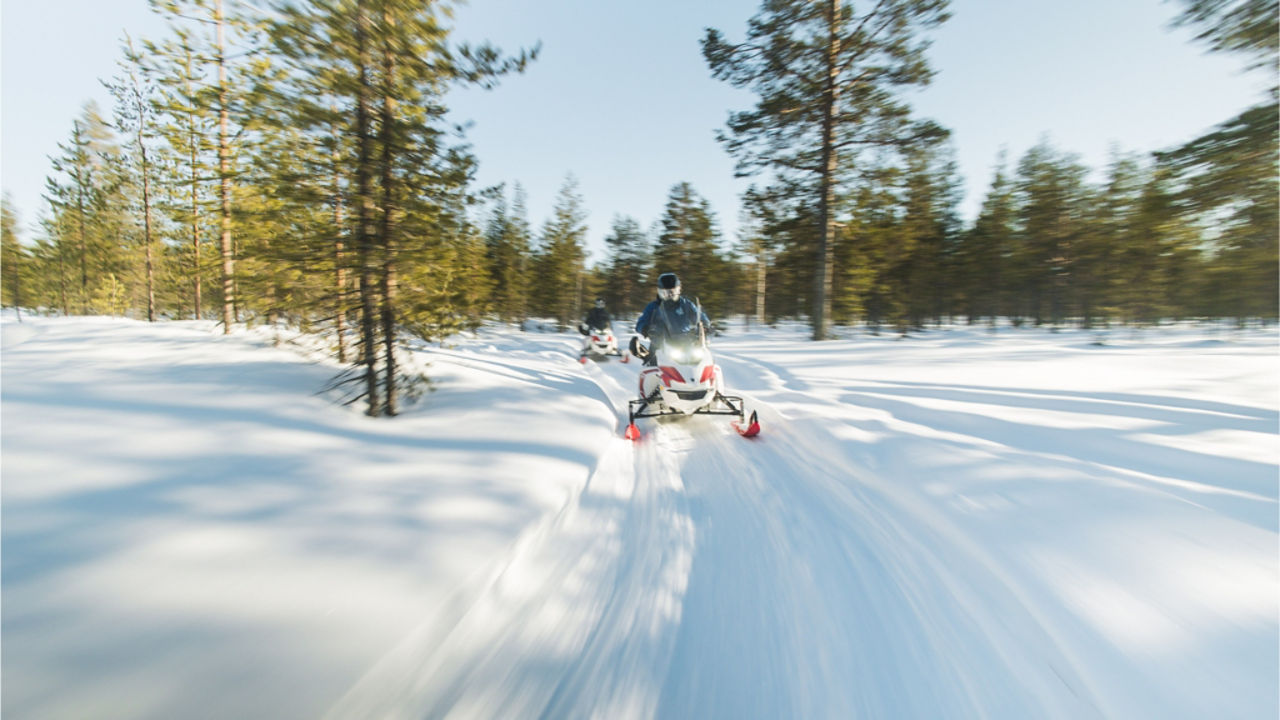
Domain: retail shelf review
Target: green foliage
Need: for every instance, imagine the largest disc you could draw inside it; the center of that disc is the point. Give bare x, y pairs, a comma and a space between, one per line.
559, 263
688, 245
1227, 178
1246, 27
345, 197
829, 82
13, 257
508, 253
627, 282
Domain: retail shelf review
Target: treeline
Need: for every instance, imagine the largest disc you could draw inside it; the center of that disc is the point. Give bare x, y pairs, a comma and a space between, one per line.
295, 164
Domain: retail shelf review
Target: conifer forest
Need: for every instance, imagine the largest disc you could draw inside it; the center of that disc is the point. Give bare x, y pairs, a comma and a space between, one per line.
291, 162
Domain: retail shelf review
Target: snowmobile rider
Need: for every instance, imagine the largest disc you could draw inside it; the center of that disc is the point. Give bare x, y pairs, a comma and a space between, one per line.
598, 318
670, 316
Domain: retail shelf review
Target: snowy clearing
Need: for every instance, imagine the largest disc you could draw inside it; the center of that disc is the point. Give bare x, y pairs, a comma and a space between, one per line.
957, 524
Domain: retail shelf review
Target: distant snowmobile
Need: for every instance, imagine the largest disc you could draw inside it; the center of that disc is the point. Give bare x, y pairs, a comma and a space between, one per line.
600, 343
686, 381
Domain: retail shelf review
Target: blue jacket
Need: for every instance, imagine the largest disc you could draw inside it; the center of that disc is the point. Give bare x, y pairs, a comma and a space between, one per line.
659, 323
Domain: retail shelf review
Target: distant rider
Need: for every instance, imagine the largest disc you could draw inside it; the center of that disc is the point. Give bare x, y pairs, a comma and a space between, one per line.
597, 319
669, 316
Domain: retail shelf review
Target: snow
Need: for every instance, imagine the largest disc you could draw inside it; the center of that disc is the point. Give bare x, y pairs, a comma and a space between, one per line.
960, 523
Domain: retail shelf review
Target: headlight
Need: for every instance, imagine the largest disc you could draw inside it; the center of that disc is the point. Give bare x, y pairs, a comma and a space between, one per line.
686, 356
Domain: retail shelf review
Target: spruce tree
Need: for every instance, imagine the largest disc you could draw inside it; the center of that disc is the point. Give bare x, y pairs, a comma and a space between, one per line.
507, 252
86, 197
218, 38
1051, 219
687, 245
1229, 173
560, 261
828, 80
984, 255
13, 260
135, 95
626, 276
188, 126
379, 69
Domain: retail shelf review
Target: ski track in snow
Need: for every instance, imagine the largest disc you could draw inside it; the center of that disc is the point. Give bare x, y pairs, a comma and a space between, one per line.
732, 578
946, 547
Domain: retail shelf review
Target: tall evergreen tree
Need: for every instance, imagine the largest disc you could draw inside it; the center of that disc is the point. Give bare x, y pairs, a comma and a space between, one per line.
560, 260
929, 227
1230, 172
187, 122
1051, 220
758, 247
135, 95
507, 251
827, 78
688, 245
985, 252
381, 67
626, 277
13, 257
217, 37
85, 194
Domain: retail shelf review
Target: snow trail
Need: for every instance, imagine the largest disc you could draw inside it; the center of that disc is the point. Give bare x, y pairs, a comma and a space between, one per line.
952, 526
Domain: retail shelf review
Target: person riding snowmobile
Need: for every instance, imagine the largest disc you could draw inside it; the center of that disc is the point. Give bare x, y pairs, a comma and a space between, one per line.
598, 318
669, 316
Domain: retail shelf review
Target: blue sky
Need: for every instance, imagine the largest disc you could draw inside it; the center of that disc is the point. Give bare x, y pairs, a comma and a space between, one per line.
622, 99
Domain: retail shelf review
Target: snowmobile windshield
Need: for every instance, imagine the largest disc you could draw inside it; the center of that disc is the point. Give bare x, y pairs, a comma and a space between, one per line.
674, 323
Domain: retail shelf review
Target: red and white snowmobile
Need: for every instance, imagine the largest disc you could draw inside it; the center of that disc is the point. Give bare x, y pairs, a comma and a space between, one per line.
600, 343
687, 381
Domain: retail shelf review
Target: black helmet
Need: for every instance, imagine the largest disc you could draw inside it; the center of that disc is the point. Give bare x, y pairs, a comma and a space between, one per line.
668, 286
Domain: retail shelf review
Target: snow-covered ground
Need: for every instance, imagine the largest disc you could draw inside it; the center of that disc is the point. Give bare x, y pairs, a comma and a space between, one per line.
959, 524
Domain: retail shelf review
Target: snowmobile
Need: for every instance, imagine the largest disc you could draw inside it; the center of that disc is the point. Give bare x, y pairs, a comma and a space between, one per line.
601, 343
686, 381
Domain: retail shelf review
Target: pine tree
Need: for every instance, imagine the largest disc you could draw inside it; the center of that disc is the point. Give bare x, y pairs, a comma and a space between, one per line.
1051, 220
756, 245
507, 252
626, 275
13, 258
929, 227
1230, 172
522, 241
86, 199
134, 92
984, 253
216, 38
827, 78
560, 261
379, 68
188, 125
687, 245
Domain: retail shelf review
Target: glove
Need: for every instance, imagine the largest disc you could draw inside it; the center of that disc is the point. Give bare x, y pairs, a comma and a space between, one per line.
637, 349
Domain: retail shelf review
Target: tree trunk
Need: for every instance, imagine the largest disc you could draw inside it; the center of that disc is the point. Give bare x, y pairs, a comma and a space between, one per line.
146, 231
364, 216
195, 209
826, 242
761, 274
388, 227
83, 242
339, 250
224, 173
62, 269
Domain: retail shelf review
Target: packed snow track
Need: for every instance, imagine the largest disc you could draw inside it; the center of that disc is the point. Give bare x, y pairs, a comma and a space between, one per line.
960, 525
